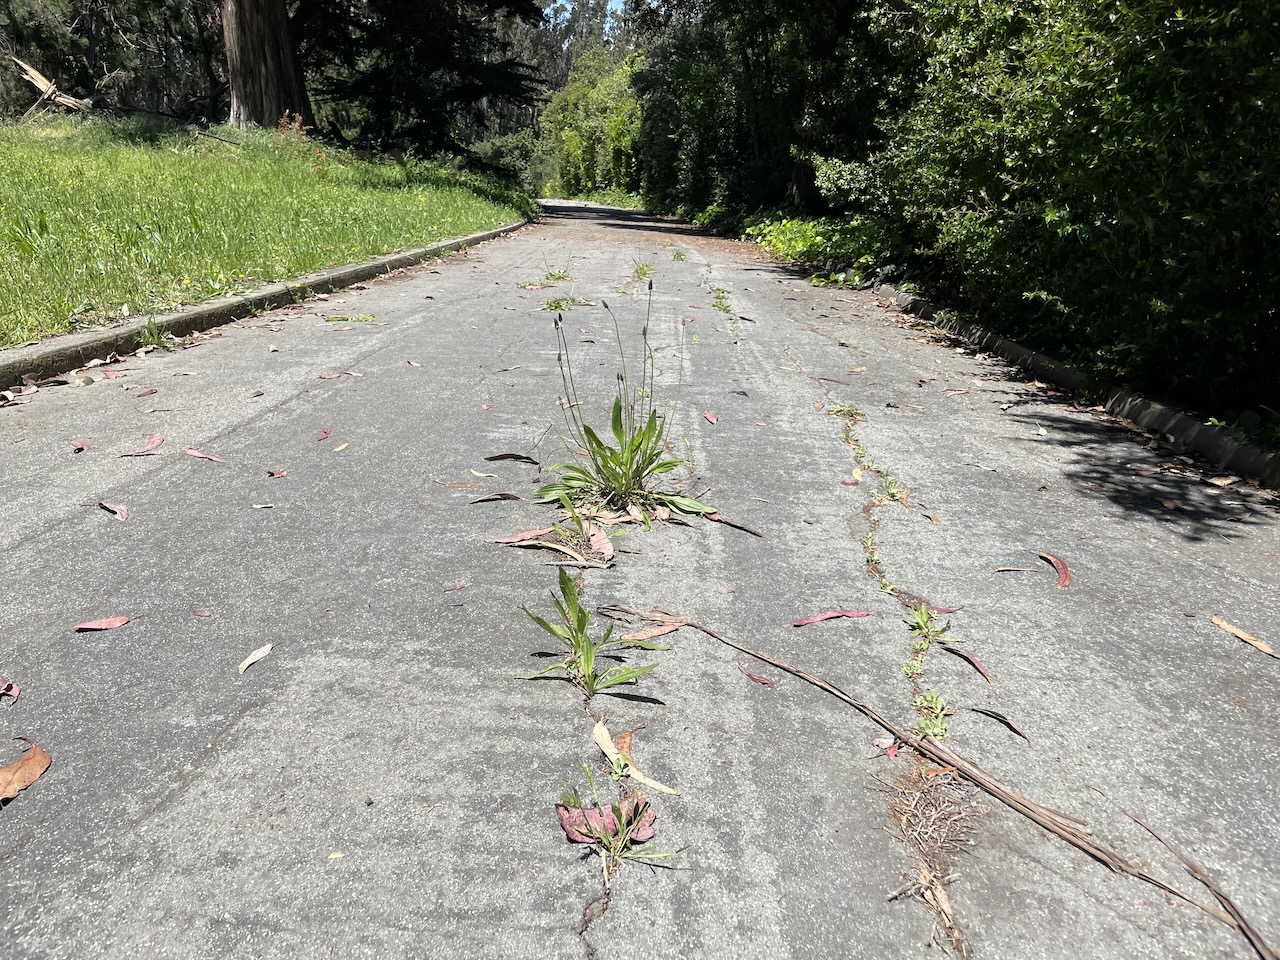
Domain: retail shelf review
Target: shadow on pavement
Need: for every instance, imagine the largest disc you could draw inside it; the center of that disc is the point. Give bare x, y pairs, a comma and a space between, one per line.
1151, 481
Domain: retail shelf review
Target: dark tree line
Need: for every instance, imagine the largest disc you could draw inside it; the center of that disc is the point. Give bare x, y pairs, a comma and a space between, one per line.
431, 74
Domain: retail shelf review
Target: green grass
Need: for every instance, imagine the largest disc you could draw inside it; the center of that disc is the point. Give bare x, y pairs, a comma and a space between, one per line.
99, 215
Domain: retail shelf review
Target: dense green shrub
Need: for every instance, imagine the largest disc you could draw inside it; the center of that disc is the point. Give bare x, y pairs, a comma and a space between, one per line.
1102, 178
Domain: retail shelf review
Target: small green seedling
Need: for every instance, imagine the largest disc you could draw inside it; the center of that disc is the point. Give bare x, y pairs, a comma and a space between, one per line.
933, 712
151, 336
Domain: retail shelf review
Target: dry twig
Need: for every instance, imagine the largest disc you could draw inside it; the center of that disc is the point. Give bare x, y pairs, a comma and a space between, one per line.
1068, 828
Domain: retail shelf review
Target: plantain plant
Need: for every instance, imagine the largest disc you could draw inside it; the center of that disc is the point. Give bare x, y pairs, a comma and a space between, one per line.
581, 664
618, 475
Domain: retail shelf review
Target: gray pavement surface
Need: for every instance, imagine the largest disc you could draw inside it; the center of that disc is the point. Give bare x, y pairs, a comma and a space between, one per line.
381, 786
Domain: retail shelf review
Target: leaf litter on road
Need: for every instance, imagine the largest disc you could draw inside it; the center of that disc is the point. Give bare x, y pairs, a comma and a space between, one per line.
254, 657
118, 510
831, 615
23, 772
1246, 637
518, 457
196, 454
1060, 565
9, 689
756, 677
154, 442
108, 623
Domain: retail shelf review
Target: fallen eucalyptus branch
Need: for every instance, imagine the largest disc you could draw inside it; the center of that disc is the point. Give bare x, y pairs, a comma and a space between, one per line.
1073, 831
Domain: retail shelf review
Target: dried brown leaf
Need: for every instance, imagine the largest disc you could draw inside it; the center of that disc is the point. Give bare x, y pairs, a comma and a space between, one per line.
650, 632
973, 661
1247, 638
23, 772
1001, 718
831, 615
518, 457
254, 657
599, 541
490, 497
756, 677
524, 536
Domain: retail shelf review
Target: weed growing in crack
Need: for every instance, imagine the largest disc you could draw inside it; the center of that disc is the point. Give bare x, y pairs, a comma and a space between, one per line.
721, 300
618, 475
871, 548
927, 629
849, 413
581, 665
678, 256
643, 271
614, 830
151, 336
891, 491
933, 711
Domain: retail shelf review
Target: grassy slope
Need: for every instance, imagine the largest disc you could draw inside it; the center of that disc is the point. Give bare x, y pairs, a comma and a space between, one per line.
96, 219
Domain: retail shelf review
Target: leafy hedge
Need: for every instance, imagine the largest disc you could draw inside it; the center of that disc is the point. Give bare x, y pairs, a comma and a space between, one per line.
1101, 178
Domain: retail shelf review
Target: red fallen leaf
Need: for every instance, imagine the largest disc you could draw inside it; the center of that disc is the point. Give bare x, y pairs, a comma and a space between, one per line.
710, 417
109, 374
461, 586
277, 474
590, 824
79, 446
9, 689
1064, 575
324, 434
414, 363
110, 623
973, 661
330, 376
525, 535
891, 751
192, 452
202, 613
120, 511
145, 393
254, 394
23, 772
153, 444
757, 677
716, 518
831, 615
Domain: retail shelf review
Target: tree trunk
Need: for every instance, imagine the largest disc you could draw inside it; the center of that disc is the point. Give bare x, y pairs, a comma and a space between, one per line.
266, 81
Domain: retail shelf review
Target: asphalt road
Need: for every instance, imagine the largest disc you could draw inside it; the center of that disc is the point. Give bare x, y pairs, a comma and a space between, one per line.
380, 784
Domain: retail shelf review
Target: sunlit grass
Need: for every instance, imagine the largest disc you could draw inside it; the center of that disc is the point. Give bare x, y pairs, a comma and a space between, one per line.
100, 217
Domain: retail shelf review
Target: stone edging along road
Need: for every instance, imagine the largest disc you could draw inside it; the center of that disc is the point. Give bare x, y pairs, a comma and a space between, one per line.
60, 354
1178, 426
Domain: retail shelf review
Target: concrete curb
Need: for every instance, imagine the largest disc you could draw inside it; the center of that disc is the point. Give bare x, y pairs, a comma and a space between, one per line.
70, 351
1212, 443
